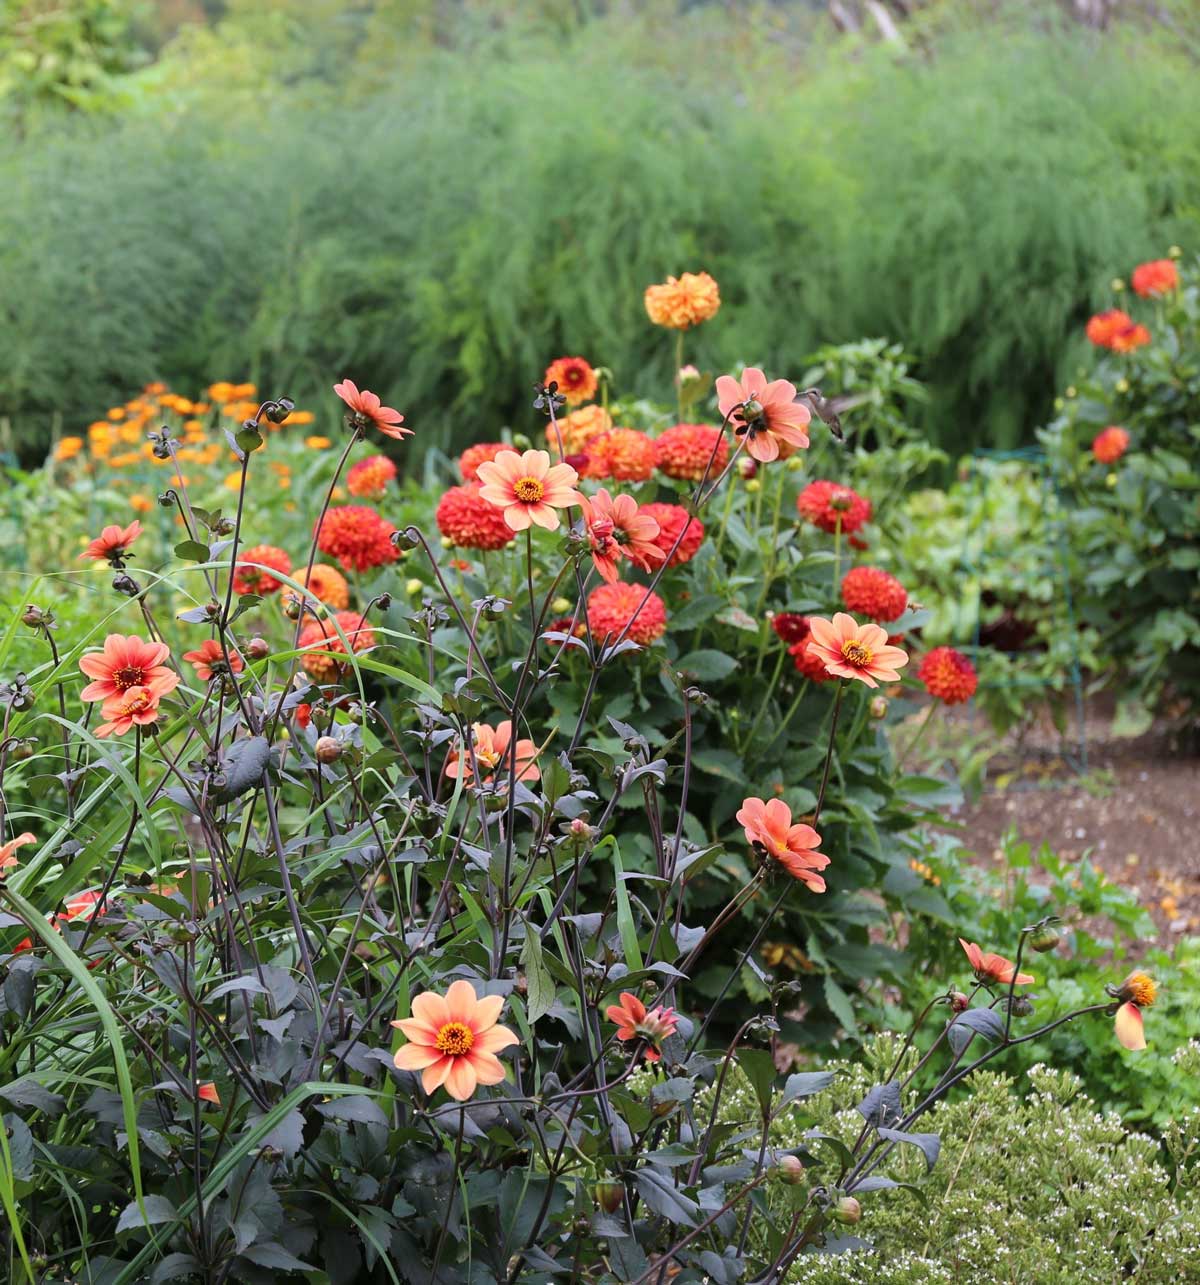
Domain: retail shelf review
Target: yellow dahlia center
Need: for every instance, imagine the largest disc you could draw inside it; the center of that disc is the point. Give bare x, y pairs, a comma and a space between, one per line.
129, 676
454, 1039
529, 490
855, 653
1140, 989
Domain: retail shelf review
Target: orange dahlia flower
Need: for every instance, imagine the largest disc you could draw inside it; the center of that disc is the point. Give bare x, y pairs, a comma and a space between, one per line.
528, 488
453, 1040
365, 409
1136, 992
1158, 277
209, 659
470, 460
357, 536
687, 451
207, 1092
617, 528
1110, 443
767, 415
620, 453
634, 1022
994, 969
769, 826
828, 504
320, 635
673, 519
468, 520
136, 707
251, 575
7, 859
493, 749
576, 379
611, 607
369, 478
126, 662
948, 675
683, 302
874, 594
851, 650
113, 543
326, 584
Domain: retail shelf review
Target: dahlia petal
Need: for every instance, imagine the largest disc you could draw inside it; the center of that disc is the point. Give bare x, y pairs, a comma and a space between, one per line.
1129, 1028
518, 517
417, 1030
802, 836
488, 1068
433, 1077
729, 393
431, 1009
416, 1057
494, 1038
753, 383
543, 515
779, 392
461, 1001
537, 464
778, 816
762, 447
461, 1080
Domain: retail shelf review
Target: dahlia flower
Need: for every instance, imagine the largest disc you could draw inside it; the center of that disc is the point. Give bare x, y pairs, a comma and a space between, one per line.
528, 488
620, 453
1158, 277
125, 663
320, 635
250, 575
994, 969
577, 429
948, 675
873, 593
365, 409
828, 504
326, 584
493, 749
851, 650
357, 536
471, 522
766, 414
1136, 992
683, 302
617, 528
369, 478
470, 460
634, 1022
7, 859
611, 607
769, 826
209, 659
1110, 443
113, 544
137, 706
576, 380
673, 519
686, 451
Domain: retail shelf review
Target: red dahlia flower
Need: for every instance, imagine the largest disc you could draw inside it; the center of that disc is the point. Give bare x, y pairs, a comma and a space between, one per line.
320, 635
634, 1022
125, 663
873, 593
251, 578
790, 626
1110, 444
466, 518
209, 659
1158, 277
369, 478
617, 528
613, 606
993, 968
470, 460
769, 826
672, 519
620, 453
576, 379
685, 450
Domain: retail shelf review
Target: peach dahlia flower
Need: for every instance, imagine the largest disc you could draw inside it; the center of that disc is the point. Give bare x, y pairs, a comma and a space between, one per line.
993, 968
766, 414
126, 662
769, 826
493, 749
851, 650
528, 488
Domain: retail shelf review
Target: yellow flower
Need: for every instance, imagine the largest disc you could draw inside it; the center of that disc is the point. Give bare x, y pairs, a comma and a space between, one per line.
116, 412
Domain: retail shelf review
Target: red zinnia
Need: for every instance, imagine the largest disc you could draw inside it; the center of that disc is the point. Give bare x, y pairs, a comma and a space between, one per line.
576, 379
466, 518
825, 504
948, 675
369, 478
873, 593
1104, 325
254, 579
1110, 443
1159, 276
320, 635
672, 519
621, 453
790, 626
470, 460
365, 409
357, 536
684, 451
612, 606
113, 543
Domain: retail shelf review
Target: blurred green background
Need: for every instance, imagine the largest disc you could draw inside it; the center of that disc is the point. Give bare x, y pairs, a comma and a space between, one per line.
437, 197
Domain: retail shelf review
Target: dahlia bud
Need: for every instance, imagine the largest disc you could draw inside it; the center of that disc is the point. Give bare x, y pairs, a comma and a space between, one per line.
1110, 481
1045, 938
413, 586
1059, 403
1174, 253
1116, 285
1021, 1006
560, 606
405, 539
879, 707
847, 1211
788, 1169
1122, 385
752, 410
328, 749
609, 1194
794, 464
447, 543
37, 617
1070, 391
747, 467
959, 1003
258, 648
280, 409
23, 749
321, 716
292, 606
753, 485
126, 584
384, 601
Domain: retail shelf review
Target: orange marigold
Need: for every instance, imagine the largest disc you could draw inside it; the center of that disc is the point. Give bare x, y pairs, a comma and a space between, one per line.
369, 478
682, 302
948, 675
824, 504
254, 579
873, 593
470, 460
466, 518
357, 536
672, 519
326, 584
576, 379
320, 635
612, 607
1110, 444
685, 451
620, 453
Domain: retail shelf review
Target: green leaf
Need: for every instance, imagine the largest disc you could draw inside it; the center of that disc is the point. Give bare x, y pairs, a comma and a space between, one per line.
192, 551
706, 665
539, 998
625, 922
759, 1067
840, 1006
158, 1209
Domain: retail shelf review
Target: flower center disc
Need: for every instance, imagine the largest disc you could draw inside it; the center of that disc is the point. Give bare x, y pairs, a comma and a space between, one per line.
528, 489
856, 654
454, 1038
130, 676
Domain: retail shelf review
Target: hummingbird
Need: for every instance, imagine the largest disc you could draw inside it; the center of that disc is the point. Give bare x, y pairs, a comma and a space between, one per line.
827, 409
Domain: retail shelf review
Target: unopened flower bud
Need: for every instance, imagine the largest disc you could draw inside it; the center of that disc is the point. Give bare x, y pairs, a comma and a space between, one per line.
413, 586
794, 464
405, 539
752, 410
1117, 285
1070, 391
789, 1169
1110, 481
328, 749
23, 749
959, 1002
126, 584
1174, 253
1021, 1006
384, 601
1059, 403
748, 467
879, 707
1122, 385
321, 716
753, 484
560, 606
292, 606
609, 1195
36, 617
447, 543
847, 1211
1046, 938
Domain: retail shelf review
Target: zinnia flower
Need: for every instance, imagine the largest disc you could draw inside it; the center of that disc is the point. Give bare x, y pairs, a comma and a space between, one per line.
1110, 443
113, 543
672, 519
453, 1040
766, 414
357, 536
493, 753
365, 409
125, 663
470, 460
683, 302
948, 675
136, 707
633, 1022
7, 860
576, 380
577, 429
209, 659
620, 453
320, 635
1136, 992
326, 584
528, 488
617, 528
611, 607
1158, 277
994, 969
851, 650
769, 826
874, 594
369, 478
248, 578
790, 626
807, 662
685, 451
1104, 325
1127, 338
826, 504
470, 521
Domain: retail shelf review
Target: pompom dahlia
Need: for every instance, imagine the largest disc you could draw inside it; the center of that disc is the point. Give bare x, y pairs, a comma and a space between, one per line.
471, 522
1117, 331
369, 478
470, 460
825, 504
357, 536
320, 635
790, 626
613, 606
851, 650
683, 302
767, 415
248, 578
869, 592
620, 453
672, 519
576, 379
948, 675
1158, 277
326, 584
685, 450
807, 661
1110, 444
768, 827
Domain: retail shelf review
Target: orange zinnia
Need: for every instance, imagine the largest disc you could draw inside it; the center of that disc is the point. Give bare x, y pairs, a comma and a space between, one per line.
769, 826
125, 663
993, 968
453, 1040
1136, 992
851, 650
766, 414
492, 754
528, 488
366, 409
112, 545
576, 379
634, 1022
683, 302
616, 528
